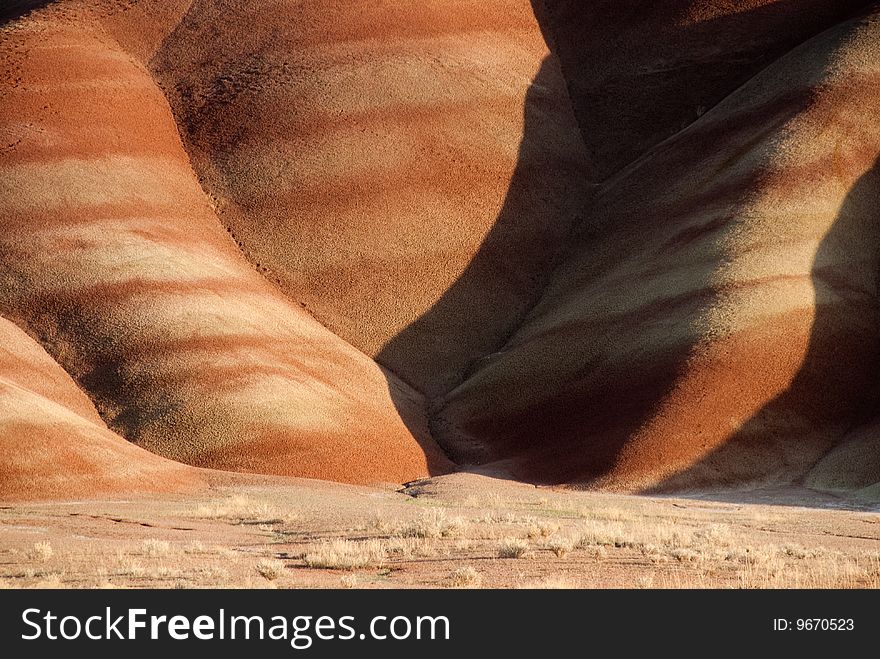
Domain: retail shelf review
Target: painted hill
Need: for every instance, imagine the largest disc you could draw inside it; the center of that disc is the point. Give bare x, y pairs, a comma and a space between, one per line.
603, 243
370, 158
112, 255
54, 444
715, 317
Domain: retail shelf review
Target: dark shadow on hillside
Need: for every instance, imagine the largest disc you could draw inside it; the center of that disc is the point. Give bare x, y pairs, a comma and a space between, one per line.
505, 277
836, 386
11, 10
454, 328
645, 86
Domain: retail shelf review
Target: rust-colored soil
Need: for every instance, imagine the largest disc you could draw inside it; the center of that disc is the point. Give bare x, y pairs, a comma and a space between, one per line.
605, 244
54, 444
114, 258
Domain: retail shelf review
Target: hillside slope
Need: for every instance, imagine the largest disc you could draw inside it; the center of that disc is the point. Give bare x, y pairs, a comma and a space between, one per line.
715, 319
113, 256
54, 444
640, 72
408, 171
607, 244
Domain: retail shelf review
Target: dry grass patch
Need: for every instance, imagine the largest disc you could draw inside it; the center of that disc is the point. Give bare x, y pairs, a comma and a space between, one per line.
40, 552
382, 524
595, 553
664, 536
245, 509
561, 547
774, 568
465, 577
594, 510
155, 548
346, 554
129, 567
197, 547
603, 534
500, 517
487, 500
800, 553
541, 529
513, 548
409, 548
685, 555
433, 523
210, 572
269, 568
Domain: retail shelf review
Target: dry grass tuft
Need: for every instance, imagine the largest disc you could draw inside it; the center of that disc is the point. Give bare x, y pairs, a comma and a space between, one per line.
270, 568
499, 517
465, 577
513, 548
433, 523
41, 552
346, 554
155, 548
409, 548
382, 524
602, 534
561, 547
129, 567
541, 529
595, 553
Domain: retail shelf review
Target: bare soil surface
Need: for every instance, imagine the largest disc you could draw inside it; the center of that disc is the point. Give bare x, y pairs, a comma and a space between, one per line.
461, 530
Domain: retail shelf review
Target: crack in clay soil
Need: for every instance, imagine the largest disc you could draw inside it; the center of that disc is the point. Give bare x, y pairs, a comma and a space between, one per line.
122, 520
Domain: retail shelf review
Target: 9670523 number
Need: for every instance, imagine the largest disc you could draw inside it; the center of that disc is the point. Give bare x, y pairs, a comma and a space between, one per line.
824, 624
814, 624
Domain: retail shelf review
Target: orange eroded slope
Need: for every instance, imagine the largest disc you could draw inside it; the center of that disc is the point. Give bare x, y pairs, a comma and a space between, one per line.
326, 238
408, 171
113, 256
54, 444
716, 314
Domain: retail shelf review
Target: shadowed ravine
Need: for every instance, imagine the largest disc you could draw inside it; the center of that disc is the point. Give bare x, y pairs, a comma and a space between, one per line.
606, 423
510, 270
